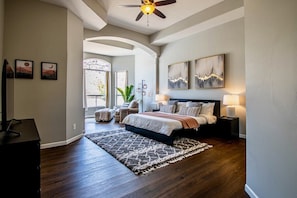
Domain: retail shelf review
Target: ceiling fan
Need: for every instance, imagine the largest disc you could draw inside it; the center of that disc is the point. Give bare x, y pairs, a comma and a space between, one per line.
149, 6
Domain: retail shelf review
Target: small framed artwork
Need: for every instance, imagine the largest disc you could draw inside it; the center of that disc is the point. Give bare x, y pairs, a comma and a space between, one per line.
24, 69
9, 71
49, 71
209, 72
178, 75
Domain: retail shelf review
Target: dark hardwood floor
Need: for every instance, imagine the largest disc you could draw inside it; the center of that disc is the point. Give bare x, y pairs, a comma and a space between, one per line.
82, 169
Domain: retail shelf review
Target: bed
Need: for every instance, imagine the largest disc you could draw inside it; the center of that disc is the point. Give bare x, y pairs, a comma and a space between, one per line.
159, 125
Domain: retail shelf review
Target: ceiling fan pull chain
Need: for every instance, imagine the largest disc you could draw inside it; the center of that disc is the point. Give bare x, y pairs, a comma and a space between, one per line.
147, 20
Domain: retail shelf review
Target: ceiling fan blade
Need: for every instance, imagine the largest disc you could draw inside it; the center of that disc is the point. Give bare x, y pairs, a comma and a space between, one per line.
131, 6
139, 16
166, 2
159, 13
147, 1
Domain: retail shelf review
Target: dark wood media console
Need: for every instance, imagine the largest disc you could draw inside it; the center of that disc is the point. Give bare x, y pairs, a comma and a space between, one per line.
20, 161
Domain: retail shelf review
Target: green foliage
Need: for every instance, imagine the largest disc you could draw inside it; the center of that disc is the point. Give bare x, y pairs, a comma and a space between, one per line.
127, 93
101, 87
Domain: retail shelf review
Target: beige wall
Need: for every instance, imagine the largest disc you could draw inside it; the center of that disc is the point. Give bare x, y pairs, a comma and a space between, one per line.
226, 39
74, 87
38, 31
271, 57
1, 28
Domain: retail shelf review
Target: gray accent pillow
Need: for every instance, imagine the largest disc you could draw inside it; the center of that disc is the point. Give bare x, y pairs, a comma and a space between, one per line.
167, 108
194, 111
183, 110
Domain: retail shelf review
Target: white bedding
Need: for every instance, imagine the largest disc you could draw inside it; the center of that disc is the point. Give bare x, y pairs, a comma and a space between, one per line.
162, 125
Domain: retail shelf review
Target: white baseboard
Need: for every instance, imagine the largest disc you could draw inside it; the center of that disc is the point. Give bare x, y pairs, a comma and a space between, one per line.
60, 143
250, 192
243, 136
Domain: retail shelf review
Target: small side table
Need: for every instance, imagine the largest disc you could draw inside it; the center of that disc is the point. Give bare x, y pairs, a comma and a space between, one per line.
228, 127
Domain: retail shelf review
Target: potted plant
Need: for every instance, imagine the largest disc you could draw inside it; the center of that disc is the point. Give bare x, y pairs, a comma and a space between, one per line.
126, 93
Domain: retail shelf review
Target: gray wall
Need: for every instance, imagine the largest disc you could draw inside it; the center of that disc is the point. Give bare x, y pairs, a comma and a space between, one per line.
226, 39
145, 69
38, 31
271, 57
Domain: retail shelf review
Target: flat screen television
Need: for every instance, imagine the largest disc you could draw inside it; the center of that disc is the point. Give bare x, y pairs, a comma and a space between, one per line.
7, 98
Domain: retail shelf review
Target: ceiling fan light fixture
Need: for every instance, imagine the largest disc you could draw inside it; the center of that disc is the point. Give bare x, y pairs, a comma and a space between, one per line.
147, 8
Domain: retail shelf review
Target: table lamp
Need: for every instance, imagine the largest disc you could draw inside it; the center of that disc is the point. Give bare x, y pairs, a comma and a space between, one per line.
230, 101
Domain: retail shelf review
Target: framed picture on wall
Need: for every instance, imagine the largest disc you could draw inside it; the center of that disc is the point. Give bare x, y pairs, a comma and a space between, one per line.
24, 69
209, 72
178, 75
49, 71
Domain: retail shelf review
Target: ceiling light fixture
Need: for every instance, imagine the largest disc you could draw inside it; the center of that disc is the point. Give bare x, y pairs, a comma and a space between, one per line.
147, 8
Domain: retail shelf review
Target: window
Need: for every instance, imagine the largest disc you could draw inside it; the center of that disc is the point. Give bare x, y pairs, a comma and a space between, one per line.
121, 78
96, 78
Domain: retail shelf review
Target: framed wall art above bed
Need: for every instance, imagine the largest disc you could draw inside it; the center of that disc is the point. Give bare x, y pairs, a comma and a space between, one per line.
178, 75
209, 72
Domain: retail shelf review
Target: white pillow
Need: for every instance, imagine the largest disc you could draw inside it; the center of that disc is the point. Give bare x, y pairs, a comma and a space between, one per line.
207, 108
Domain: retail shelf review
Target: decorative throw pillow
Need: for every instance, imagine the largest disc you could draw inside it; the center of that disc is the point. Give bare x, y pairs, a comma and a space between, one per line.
207, 108
193, 111
183, 110
179, 105
173, 102
133, 104
167, 108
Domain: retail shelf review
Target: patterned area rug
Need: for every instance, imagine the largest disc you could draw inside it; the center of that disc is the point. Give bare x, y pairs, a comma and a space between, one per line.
141, 154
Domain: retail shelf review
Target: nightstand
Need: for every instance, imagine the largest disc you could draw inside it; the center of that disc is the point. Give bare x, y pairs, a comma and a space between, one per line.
228, 127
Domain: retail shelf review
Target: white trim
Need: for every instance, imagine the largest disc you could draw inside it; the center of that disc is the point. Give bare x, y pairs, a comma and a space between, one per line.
73, 139
243, 136
250, 192
61, 143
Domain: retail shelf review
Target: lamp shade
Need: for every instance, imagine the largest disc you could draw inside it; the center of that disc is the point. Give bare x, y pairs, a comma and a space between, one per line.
231, 100
160, 97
